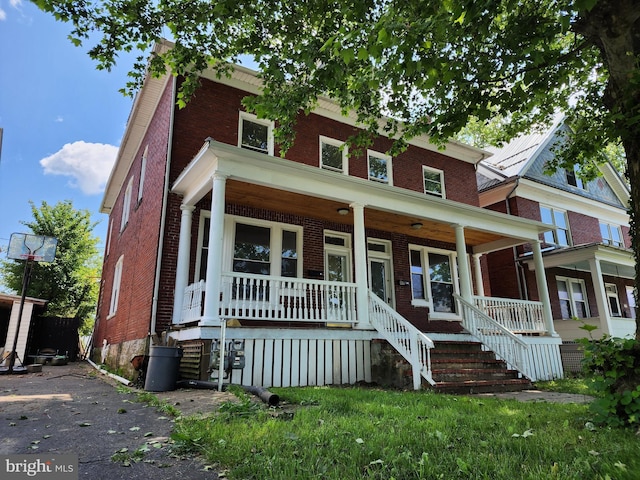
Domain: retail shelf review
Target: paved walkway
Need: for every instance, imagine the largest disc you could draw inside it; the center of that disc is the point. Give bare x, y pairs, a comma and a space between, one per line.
540, 396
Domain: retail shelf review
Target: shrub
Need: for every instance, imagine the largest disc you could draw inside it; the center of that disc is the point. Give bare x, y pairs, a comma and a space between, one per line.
614, 364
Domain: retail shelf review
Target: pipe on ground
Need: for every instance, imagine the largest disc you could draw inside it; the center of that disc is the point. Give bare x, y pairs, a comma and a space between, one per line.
262, 393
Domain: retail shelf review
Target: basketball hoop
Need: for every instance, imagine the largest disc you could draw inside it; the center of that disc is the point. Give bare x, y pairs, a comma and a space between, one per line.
34, 248
31, 248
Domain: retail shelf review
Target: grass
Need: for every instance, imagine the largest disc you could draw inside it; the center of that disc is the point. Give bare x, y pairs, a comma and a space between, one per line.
577, 385
352, 433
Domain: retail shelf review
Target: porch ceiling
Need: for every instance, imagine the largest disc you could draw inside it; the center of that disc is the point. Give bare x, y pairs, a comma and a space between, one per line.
259, 196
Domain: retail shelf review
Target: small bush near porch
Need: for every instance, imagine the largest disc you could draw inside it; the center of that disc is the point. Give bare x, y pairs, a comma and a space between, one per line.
351, 433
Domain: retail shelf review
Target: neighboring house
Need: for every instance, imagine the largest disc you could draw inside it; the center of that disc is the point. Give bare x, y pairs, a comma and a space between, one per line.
311, 265
588, 261
9, 320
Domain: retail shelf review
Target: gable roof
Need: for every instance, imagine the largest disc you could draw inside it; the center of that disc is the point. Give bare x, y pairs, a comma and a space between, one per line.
525, 158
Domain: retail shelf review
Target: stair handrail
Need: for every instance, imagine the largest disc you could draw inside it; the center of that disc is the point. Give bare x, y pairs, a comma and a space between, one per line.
503, 342
410, 342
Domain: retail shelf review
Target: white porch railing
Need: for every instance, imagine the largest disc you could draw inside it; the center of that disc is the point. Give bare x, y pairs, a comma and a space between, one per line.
518, 316
261, 297
497, 338
410, 342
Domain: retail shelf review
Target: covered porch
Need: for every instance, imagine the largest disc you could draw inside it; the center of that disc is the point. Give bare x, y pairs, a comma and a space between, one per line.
369, 288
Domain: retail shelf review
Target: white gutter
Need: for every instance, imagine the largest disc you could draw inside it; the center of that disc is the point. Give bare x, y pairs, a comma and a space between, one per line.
111, 375
165, 196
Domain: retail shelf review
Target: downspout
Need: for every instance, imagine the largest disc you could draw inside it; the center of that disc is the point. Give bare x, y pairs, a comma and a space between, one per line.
522, 290
165, 199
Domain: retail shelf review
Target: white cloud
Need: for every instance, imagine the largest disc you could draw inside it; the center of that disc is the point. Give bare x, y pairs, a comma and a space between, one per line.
15, 3
88, 165
59, 119
3, 14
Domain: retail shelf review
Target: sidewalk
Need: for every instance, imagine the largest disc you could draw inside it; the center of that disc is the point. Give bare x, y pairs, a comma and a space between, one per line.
74, 409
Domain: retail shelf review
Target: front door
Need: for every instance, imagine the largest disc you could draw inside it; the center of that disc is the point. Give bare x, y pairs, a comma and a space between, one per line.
380, 277
337, 261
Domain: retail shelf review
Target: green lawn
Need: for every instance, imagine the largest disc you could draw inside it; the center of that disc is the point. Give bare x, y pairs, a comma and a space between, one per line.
352, 433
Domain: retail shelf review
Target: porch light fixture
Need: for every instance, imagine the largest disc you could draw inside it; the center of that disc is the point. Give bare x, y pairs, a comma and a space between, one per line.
343, 211
416, 226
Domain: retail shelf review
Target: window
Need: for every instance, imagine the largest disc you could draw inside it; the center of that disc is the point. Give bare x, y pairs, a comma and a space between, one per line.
432, 279
631, 301
255, 134
333, 155
573, 179
433, 181
558, 219
611, 235
612, 297
379, 167
573, 299
143, 169
255, 247
109, 236
126, 205
115, 289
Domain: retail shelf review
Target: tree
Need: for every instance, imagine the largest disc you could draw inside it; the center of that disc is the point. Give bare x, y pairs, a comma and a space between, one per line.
70, 283
425, 66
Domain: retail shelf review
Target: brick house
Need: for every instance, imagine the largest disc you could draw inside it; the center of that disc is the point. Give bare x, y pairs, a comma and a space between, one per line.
587, 259
316, 263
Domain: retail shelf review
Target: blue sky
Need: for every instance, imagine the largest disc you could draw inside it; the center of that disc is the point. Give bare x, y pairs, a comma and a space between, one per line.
62, 119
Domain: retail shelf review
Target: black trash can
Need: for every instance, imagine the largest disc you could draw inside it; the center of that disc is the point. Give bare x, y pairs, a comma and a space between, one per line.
163, 369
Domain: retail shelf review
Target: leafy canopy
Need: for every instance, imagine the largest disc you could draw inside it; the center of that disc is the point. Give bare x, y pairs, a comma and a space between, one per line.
70, 283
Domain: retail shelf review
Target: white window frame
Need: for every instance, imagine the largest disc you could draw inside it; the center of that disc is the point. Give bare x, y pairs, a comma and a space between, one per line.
441, 174
569, 281
254, 119
143, 170
631, 301
609, 239
382, 156
275, 242
428, 301
115, 288
345, 154
611, 290
554, 232
574, 174
126, 205
109, 232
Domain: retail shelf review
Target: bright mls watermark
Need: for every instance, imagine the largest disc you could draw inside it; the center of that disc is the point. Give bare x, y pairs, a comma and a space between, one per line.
50, 467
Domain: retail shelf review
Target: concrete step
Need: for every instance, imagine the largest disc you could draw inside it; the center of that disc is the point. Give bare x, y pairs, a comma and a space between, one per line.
467, 374
482, 386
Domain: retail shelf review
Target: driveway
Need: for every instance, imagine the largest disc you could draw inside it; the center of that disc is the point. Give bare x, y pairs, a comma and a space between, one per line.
73, 409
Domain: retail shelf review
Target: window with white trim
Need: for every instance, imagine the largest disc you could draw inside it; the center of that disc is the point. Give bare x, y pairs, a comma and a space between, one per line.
433, 181
143, 170
110, 231
573, 298
558, 218
255, 247
573, 178
333, 155
614, 302
611, 234
379, 166
126, 205
631, 301
255, 134
115, 288
433, 279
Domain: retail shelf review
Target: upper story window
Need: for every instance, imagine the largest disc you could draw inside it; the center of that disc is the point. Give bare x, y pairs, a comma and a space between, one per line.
558, 218
255, 134
433, 180
573, 179
143, 170
611, 234
333, 155
126, 205
379, 167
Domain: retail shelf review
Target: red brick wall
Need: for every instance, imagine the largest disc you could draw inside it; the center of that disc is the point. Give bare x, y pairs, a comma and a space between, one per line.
584, 229
138, 241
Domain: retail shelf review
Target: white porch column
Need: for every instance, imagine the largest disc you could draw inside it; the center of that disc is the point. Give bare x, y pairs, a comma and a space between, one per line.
463, 265
601, 295
214, 258
543, 290
477, 270
360, 261
182, 267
